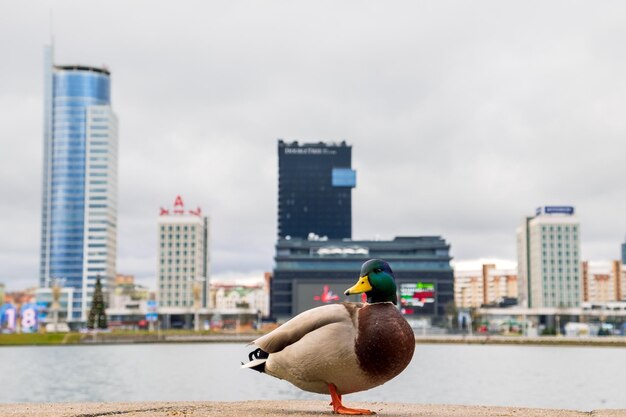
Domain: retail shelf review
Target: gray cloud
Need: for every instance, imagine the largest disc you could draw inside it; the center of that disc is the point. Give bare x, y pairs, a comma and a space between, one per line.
463, 117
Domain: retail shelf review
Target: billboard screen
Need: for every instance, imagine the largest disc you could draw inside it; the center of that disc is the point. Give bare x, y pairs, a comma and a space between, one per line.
314, 294
414, 298
417, 298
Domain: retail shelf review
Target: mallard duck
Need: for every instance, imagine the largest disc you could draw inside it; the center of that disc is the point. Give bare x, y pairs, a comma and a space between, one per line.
342, 348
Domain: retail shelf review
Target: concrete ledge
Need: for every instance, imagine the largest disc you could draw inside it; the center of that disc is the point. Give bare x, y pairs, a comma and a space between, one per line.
605, 341
277, 409
76, 339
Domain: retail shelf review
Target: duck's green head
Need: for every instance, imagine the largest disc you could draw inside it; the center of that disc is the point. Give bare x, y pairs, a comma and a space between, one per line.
376, 281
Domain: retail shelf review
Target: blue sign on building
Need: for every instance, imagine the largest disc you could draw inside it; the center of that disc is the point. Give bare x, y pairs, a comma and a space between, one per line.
569, 210
152, 314
344, 177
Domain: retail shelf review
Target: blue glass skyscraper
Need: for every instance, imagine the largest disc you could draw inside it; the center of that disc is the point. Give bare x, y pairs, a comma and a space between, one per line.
79, 207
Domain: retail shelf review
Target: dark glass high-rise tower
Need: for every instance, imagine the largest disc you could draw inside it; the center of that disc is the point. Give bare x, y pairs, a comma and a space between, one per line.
315, 182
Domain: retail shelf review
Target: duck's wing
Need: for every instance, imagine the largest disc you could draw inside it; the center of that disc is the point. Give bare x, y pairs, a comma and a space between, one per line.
307, 322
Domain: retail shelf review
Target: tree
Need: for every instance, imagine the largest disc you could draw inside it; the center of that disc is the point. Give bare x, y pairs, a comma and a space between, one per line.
97, 317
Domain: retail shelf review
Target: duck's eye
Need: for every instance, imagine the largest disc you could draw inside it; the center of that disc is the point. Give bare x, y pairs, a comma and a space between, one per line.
377, 270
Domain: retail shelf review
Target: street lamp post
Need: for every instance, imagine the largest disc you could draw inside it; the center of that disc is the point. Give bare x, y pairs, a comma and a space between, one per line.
197, 292
56, 295
196, 306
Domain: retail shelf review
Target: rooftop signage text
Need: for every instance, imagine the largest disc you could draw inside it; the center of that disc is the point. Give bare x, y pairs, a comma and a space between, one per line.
310, 151
179, 209
555, 210
333, 250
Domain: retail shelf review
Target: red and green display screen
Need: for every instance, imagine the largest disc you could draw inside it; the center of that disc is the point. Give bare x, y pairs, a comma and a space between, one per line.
415, 297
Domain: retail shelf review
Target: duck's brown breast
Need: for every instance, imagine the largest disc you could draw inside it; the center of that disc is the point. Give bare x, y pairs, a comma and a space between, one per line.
385, 342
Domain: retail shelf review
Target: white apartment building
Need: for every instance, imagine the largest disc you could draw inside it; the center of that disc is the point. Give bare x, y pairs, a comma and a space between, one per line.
183, 259
549, 269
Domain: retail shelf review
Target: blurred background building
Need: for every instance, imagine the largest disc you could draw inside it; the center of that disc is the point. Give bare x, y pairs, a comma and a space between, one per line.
315, 182
603, 281
183, 263
485, 285
316, 258
233, 297
128, 303
548, 246
313, 272
79, 201
20, 297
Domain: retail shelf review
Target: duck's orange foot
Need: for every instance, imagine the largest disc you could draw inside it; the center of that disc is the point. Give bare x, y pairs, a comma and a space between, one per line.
338, 407
352, 411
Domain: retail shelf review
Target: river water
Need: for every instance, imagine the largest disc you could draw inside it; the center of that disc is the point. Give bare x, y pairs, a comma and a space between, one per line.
582, 378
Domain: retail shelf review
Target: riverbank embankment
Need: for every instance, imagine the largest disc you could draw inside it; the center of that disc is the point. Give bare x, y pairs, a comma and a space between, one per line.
278, 409
189, 337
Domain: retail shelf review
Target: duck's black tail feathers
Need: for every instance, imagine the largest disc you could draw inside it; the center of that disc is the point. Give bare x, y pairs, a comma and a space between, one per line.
257, 358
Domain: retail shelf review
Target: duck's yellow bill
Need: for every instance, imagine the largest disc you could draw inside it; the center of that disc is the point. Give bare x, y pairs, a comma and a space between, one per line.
360, 287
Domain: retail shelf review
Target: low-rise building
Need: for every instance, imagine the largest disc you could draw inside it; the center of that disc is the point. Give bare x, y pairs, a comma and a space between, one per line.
228, 298
128, 302
18, 298
315, 271
484, 284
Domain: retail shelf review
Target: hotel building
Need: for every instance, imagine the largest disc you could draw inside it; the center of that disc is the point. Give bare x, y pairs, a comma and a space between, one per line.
548, 246
183, 259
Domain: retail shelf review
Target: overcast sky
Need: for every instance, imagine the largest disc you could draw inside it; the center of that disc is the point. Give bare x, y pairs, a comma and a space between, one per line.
463, 117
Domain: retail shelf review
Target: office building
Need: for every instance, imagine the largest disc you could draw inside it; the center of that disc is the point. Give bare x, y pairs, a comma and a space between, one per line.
486, 284
79, 199
315, 182
312, 272
624, 253
183, 260
548, 246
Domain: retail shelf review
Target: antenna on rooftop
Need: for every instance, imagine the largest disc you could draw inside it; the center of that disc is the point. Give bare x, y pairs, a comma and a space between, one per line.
52, 36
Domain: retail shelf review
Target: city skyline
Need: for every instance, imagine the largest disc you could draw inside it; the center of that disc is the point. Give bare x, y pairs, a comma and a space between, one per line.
463, 119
